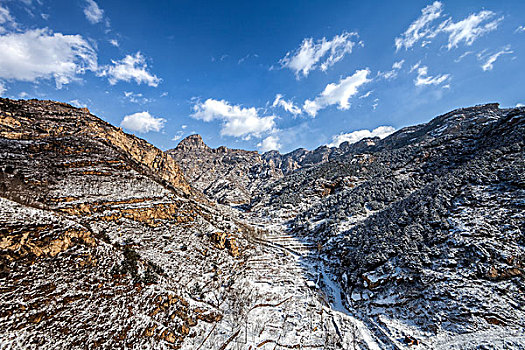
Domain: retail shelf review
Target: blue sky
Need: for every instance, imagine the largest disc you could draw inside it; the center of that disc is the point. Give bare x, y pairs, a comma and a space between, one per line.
263, 75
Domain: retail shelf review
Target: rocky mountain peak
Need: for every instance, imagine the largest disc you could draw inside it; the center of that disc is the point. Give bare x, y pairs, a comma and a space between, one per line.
193, 143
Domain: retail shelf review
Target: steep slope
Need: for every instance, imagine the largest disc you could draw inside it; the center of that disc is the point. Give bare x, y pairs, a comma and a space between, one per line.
103, 244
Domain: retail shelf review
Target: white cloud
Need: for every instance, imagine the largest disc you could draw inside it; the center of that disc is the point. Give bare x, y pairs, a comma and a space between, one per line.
322, 54
391, 74
142, 122
355, 136
136, 97
183, 127
337, 94
520, 29
420, 28
131, 67
237, 121
114, 42
376, 103
271, 143
465, 54
94, 14
5, 19
489, 61
288, 106
424, 79
367, 94
469, 29
520, 105
241, 60
42, 54
77, 103
178, 135
2, 88
415, 66
466, 30
398, 64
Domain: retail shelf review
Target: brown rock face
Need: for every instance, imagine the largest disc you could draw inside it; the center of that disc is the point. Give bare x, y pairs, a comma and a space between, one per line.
223, 240
226, 175
31, 120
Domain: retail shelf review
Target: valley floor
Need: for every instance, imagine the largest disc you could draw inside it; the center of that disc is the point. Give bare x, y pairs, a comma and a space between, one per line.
297, 304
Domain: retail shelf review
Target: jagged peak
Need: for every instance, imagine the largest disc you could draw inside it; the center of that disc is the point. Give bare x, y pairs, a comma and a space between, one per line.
194, 141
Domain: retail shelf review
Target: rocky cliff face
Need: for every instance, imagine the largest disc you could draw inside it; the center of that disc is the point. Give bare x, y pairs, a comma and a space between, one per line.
226, 175
46, 120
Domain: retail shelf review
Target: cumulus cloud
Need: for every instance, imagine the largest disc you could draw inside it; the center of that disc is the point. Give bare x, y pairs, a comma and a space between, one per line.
271, 143
42, 54
114, 42
520, 105
421, 27
424, 79
131, 67
93, 12
489, 60
236, 120
142, 122
466, 30
520, 29
337, 94
288, 106
469, 29
355, 136
321, 54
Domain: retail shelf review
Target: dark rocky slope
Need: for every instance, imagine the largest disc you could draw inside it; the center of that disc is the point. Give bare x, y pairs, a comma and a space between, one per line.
426, 226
